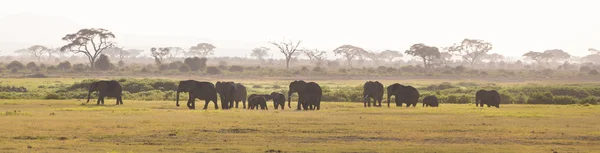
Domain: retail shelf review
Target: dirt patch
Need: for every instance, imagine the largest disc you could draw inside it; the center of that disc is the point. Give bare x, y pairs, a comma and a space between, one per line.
236, 130
359, 138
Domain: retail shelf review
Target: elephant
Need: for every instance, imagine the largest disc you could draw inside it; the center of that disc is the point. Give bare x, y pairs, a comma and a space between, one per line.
278, 100
106, 88
226, 92
403, 94
200, 90
489, 98
309, 94
256, 100
240, 95
372, 89
430, 101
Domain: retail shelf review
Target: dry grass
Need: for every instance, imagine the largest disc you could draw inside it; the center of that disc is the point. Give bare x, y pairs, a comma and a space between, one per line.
69, 126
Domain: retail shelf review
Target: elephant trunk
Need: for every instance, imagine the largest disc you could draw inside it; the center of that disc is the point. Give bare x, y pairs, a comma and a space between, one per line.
177, 99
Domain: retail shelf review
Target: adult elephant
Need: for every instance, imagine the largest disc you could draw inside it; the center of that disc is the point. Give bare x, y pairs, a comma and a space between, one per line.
240, 95
226, 92
278, 100
106, 88
403, 94
489, 98
197, 90
430, 101
309, 94
372, 90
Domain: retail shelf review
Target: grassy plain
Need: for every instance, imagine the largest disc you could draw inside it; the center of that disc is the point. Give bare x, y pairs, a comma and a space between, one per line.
160, 126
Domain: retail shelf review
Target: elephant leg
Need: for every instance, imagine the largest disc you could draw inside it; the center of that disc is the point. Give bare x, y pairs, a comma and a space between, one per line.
117, 100
275, 105
244, 103
299, 102
237, 103
121, 100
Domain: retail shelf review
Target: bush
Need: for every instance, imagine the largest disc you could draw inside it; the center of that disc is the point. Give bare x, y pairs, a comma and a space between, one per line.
520, 99
460, 69
164, 67
593, 72
540, 98
184, 68
121, 64
590, 100
79, 67
175, 65
15, 65
64, 65
584, 69
564, 100
223, 64
52, 96
236, 68
304, 69
102, 63
31, 66
317, 69
195, 63
213, 70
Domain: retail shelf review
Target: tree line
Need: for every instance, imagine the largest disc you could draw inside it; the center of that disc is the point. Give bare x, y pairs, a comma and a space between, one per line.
94, 42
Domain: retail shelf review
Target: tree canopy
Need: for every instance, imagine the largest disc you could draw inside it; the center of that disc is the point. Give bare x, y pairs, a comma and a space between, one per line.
90, 42
349, 52
427, 53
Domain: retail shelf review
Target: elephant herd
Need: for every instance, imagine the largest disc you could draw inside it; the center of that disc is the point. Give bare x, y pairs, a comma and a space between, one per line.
309, 95
410, 96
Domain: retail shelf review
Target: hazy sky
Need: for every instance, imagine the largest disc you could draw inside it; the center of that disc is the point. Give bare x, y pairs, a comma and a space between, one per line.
236, 26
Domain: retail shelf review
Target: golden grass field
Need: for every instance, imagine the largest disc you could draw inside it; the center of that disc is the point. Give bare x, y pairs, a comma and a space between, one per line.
160, 126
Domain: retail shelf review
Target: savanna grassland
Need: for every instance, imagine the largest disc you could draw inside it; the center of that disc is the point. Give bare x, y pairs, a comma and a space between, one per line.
156, 125
159, 126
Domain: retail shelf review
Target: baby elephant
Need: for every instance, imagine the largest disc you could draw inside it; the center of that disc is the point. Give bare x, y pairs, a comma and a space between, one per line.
256, 100
430, 101
278, 100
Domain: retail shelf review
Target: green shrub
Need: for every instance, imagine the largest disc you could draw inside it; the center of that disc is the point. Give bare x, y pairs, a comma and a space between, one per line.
236, 68
520, 99
31, 66
15, 65
564, 100
102, 63
213, 70
52, 96
540, 98
590, 100
64, 65
184, 68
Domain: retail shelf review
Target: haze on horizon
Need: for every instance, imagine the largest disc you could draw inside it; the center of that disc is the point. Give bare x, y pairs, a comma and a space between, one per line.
236, 26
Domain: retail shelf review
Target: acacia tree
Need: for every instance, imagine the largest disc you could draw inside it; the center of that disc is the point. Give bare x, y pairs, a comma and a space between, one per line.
373, 56
159, 54
90, 42
539, 57
116, 52
427, 53
202, 50
390, 55
36, 50
174, 52
557, 54
260, 53
315, 55
471, 50
288, 49
349, 52
494, 57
